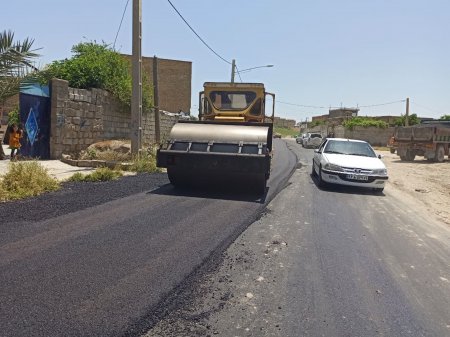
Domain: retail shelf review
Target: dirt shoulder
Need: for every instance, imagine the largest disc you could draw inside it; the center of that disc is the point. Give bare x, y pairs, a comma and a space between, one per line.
426, 185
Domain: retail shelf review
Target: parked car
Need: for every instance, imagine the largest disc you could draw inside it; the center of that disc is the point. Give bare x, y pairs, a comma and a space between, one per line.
299, 139
349, 162
312, 140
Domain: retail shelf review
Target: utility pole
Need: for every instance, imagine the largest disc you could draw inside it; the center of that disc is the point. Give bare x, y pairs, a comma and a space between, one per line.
156, 100
136, 96
407, 112
233, 67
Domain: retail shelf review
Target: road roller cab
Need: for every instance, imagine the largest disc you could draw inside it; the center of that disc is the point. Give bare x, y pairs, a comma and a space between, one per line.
231, 143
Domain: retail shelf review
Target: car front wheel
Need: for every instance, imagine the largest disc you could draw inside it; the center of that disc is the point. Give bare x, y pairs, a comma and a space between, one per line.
440, 154
378, 189
320, 181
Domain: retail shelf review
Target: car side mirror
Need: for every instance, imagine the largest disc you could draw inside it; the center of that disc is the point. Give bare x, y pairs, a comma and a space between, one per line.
316, 151
380, 156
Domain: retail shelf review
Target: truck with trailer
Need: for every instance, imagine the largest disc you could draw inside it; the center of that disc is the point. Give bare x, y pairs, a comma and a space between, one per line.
231, 142
430, 139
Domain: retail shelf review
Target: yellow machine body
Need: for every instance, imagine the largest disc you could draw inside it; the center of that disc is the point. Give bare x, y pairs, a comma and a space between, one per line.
231, 142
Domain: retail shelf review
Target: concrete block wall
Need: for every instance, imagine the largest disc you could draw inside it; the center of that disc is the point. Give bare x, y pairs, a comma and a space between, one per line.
284, 123
166, 122
372, 135
81, 117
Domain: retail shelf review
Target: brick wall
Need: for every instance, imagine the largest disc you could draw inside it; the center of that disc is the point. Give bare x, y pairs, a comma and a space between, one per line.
372, 135
284, 123
81, 117
174, 82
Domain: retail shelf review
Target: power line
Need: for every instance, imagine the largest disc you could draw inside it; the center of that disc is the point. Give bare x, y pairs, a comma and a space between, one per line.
388, 103
238, 72
424, 107
192, 29
330, 107
303, 106
120, 25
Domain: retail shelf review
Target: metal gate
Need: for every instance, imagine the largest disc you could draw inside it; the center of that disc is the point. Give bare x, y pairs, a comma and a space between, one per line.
34, 103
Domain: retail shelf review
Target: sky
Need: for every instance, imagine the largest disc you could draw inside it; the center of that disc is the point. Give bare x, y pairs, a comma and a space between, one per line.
370, 54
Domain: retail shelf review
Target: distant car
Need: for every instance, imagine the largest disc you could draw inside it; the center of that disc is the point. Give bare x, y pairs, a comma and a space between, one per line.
349, 162
299, 139
312, 140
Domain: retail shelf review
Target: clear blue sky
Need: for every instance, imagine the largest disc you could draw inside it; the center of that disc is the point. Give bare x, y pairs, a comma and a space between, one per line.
325, 52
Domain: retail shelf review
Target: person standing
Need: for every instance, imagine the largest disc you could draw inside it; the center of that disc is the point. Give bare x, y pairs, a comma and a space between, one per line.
2, 153
14, 140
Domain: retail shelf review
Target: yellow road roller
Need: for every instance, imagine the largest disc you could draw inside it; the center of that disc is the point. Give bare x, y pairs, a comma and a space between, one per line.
231, 143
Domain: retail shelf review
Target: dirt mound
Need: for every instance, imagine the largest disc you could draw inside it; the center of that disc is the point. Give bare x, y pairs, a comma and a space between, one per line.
120, 146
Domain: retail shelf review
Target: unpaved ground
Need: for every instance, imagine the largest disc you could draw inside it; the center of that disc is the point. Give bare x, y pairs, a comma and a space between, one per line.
426, 185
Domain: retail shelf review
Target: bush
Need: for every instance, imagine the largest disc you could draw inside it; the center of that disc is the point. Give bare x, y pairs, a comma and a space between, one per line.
144, 162
285, 132
26, 179
98, 66
315, 123
412, 120
364, 122
76, 177
13, 116
100, 174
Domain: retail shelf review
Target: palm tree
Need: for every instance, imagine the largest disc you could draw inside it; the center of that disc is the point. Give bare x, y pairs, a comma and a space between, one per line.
15, 64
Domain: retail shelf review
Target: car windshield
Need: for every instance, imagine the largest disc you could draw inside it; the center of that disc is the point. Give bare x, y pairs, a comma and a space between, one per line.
349, 148
228, 100
316, 135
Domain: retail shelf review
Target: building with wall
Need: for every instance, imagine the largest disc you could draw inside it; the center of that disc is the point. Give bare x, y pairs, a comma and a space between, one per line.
174, 82
284, 123
343, 112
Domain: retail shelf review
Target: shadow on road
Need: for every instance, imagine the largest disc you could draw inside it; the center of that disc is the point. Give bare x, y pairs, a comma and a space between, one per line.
216, 191
346, 189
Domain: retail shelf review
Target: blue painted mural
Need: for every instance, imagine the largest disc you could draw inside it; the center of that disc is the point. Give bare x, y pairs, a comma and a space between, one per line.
35, 117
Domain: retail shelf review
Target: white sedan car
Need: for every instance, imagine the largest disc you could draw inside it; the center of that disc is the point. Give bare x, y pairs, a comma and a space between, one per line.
349, 162
312, 140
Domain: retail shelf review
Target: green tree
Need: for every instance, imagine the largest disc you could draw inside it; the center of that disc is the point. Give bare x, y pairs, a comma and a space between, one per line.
16, 59
412, 120
316, 123
364, 122
96, 65
445, 118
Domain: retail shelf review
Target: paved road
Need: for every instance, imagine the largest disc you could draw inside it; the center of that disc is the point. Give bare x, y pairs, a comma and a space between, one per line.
325, 262
101, 271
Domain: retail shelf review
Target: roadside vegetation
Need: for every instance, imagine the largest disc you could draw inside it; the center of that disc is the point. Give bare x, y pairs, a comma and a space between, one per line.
412, 120
100, 174
364, 122
285, 132
145, 162
26, 179
315, 123
16, 59
96, 65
